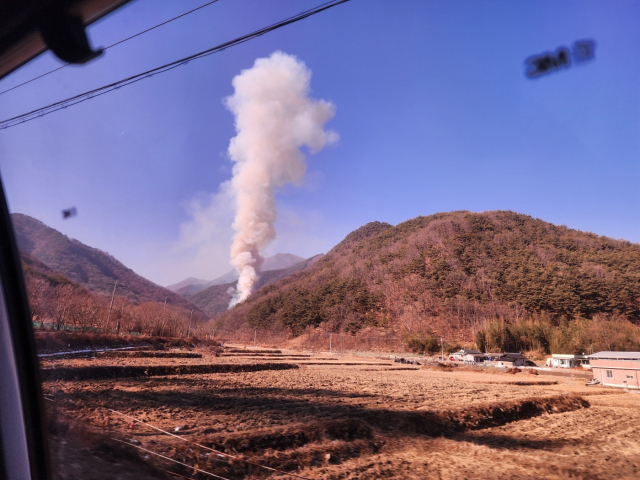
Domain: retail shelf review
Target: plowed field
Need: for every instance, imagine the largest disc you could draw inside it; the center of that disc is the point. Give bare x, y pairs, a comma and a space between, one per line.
338, 417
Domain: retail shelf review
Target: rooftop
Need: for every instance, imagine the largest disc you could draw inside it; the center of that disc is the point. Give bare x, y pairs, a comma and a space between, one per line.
513, 355
568, 355
616, 355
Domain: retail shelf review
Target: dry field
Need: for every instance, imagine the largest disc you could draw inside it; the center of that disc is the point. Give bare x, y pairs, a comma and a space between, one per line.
335, 417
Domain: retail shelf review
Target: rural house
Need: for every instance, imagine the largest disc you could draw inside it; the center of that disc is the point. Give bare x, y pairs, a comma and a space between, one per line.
561, 360
467, 356
616, 369
510, 360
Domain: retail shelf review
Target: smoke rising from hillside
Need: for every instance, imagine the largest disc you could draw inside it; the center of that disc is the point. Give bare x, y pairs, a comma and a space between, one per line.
274, 118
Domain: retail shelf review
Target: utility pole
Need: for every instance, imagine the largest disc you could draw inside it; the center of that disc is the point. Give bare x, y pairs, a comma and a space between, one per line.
164, 318
330, 338
189, 329
255, 335
442, 345
111, 304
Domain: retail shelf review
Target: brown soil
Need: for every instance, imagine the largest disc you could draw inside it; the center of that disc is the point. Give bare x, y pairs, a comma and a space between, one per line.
251, 350
149, 354
247, 354
50, 342
340, 418
80, 451
527, 382
119, 371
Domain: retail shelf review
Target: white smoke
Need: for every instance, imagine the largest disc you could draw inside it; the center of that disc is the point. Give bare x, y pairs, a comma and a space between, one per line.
274, 119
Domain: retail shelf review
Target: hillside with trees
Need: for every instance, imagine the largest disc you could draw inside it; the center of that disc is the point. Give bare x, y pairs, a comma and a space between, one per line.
456, 274
187, 282
215, 299
89, 267
61, 303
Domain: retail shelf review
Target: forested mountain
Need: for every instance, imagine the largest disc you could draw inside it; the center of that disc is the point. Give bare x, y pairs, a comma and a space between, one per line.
215, 299
92, 268
191, 286
35, 269
279, 261
187, 282
54, 299
453, 272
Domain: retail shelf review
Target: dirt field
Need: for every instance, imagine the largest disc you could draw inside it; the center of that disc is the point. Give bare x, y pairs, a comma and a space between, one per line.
341, 418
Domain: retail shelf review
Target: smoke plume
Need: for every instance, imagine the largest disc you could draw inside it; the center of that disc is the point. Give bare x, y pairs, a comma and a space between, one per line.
274, 118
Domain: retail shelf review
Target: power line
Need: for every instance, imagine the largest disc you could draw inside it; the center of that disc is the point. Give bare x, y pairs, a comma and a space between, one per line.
218, 452
195, 468
35, 78
161, 24
54, 107
112, 45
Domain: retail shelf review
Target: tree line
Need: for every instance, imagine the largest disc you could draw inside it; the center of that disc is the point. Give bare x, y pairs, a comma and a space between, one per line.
542, 334
59, 302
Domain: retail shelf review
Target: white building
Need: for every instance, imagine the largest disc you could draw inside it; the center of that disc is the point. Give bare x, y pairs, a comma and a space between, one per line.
464, 355
473, 358
561, 360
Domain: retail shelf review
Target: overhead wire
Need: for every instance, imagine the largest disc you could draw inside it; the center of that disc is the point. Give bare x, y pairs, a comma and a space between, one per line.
161, 24
174, 474
222, 454
112, 45
195, 469
218, 452
54, 107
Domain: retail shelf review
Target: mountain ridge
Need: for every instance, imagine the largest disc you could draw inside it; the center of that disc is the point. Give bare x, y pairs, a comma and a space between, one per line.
187, 282
87, 266
278, 261
450, 272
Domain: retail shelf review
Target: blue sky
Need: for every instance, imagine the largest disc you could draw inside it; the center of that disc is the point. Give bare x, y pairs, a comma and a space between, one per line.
434, 114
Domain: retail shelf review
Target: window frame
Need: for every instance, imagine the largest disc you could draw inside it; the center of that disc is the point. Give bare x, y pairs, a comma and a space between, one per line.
24, 370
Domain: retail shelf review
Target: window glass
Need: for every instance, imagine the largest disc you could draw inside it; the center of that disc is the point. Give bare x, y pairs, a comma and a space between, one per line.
254, 253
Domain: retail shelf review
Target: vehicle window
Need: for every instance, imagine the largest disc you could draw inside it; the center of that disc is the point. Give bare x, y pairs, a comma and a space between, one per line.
344, 239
